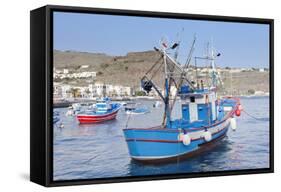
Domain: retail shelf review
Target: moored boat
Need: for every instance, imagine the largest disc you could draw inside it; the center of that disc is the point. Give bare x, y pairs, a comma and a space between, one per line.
138, 111
135, 109
56, 117
104, 111
204, 120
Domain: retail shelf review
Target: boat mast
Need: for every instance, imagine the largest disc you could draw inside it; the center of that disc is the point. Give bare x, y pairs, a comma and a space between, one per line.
173, 70
211, 57
167, 117
213, 73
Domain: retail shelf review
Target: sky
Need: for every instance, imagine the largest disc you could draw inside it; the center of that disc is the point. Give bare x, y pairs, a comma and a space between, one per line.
240, 44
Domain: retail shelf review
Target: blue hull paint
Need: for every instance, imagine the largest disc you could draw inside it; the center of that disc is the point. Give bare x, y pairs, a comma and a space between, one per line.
154, 144
166, 146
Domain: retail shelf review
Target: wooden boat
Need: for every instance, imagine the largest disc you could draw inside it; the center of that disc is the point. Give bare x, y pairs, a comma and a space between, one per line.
134, 109
56, 117
104, 111
204, 120
138, 111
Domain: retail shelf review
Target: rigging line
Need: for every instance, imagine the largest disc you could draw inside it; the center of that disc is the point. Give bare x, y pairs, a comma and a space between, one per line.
256, 118
128, 120
183, 74
190, 53
196, 72
155, 72
152, 67
179, 43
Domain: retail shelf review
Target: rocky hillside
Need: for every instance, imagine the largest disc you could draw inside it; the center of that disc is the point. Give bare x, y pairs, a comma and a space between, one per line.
126, 70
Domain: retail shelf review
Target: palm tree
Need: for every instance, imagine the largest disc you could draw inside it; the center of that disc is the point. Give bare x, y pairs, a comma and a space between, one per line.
74, 92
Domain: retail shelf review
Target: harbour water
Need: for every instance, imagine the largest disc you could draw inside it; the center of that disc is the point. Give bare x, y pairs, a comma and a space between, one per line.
100, 151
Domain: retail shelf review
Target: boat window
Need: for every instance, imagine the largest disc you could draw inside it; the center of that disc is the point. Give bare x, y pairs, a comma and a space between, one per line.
192, 99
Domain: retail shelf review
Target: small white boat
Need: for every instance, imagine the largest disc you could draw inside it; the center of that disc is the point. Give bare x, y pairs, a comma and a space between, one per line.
133, 108
138, 111
76, 106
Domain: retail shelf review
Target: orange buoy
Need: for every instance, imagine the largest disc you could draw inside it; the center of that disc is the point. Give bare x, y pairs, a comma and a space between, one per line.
237, 112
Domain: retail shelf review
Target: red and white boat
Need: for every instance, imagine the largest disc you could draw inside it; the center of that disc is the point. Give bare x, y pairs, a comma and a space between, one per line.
104, 111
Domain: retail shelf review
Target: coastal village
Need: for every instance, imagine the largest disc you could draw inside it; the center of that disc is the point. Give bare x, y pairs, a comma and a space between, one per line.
97, 88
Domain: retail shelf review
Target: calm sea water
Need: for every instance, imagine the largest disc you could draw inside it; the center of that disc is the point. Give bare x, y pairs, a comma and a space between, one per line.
100, 150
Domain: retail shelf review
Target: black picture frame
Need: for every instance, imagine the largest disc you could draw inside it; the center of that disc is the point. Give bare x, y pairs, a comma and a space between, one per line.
41, 70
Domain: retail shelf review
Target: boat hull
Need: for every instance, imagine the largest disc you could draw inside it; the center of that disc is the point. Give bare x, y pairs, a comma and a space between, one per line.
87, 119
136, 113
202, 148
161, 145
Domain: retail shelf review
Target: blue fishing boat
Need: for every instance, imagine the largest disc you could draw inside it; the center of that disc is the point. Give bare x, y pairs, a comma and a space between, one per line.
205, 118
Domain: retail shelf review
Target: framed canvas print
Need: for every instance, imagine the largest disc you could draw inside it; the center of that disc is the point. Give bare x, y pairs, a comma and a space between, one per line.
122, 95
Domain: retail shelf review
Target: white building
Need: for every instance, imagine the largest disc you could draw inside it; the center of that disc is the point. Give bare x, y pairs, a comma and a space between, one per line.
57, 91
61, 91
84, 66
66, 91
65, 71
66, 74
122, 91
99, 89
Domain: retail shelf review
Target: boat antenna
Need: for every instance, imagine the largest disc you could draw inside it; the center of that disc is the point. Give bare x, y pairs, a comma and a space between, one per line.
178, 43
196, 72
210, 57
187, 62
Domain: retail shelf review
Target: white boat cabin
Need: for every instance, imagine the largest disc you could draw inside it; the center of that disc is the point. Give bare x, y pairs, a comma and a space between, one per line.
199, 105
103, 105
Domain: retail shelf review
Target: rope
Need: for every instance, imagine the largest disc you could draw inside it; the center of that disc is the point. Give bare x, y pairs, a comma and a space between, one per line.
151, 68
155, 72
256, 118
128, 121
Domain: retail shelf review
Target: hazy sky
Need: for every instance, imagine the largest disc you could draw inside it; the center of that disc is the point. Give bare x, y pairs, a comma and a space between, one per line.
240, 44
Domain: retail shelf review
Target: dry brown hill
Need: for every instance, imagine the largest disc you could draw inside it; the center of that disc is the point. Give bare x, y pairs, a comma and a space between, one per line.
126, 70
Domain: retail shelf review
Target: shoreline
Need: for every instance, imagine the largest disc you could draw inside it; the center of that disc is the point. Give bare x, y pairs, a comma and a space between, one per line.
68, 103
